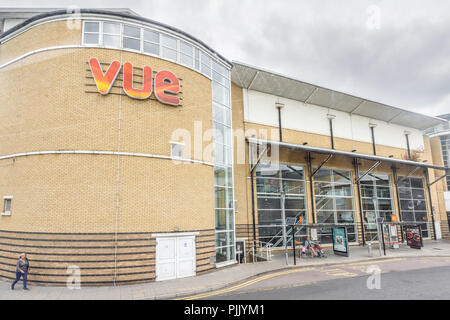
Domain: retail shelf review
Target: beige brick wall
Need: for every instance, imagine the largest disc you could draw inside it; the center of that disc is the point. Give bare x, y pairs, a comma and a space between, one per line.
338, 162
48, 34
68, 207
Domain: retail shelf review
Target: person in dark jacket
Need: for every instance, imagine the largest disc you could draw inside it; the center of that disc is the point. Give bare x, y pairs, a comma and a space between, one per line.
22, 268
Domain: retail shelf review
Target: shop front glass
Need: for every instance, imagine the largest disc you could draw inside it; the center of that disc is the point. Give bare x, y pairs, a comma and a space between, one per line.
280, 194
413, 204
333, 193
376, 196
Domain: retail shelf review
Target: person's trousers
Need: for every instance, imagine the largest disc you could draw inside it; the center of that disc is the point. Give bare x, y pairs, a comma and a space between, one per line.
18, 275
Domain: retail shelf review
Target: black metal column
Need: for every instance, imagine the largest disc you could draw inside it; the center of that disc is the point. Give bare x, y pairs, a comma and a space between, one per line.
427, 181
358, 187
407, 145
331, 133
311, 187
394, 175
373, 141
279, 124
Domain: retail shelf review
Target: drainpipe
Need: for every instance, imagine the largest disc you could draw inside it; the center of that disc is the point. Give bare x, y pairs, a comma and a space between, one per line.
372, 126
330, 119
407, 133
279, 106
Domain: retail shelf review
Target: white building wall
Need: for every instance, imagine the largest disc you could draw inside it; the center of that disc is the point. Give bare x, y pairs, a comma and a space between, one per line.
447, 200
260, 108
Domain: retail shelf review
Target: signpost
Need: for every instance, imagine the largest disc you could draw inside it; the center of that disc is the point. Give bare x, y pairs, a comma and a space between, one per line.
291, 221
340, 241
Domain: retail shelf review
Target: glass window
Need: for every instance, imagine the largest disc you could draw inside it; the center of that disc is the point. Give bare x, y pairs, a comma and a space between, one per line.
132, 32
223, 176
169, 47
92, 27
131, 37
111, 34
270, 180
151, 36
111, 28
186, 54
334, 200
151, 42
376, 198
129, 43
220, 94
176, 150
91, 32
91, 38
7, 205
413, 204
169, 53
111, 41
151, 48
205, 65
196, 58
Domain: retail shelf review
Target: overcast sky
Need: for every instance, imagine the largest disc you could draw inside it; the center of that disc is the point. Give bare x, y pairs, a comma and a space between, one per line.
395, 52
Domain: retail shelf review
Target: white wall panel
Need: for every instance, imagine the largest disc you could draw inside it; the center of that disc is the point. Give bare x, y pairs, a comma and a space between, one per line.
260, 108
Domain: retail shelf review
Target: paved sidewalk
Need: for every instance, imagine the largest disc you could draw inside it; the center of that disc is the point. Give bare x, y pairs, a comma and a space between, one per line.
214, 280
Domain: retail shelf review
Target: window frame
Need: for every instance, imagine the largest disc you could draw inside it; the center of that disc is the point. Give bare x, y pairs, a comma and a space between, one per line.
7, 199
197, 51
174, 144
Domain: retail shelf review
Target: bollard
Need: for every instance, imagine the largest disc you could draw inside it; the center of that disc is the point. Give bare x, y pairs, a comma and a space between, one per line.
369, 249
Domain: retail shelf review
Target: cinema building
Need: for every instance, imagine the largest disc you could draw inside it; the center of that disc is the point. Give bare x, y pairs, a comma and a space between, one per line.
137, 153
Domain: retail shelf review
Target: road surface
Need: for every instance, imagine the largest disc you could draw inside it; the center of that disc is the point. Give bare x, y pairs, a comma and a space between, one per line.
396, 278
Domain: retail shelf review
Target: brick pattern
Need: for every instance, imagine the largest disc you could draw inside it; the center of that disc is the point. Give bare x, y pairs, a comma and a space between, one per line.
46, 35
67, 207
96, 254
298, 157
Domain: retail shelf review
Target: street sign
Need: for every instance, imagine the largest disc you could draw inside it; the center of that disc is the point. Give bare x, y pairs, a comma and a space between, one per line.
291, 220
313, 232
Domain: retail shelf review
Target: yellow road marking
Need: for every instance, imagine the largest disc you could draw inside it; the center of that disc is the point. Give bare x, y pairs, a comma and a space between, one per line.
338, 272
274, 288
376, 262
245, 284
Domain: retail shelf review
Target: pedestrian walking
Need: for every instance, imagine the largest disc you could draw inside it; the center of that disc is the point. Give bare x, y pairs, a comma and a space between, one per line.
22, 268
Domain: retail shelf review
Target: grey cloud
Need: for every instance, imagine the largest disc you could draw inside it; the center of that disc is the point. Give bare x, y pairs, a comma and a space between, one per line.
405, 63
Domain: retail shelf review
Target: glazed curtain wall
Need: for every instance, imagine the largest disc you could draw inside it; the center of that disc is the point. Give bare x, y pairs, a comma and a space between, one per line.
223, 164
376, 196
281, 194
413, 203
333, 193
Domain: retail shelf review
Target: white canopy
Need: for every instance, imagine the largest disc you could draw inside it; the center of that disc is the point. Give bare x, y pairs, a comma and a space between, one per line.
253, 78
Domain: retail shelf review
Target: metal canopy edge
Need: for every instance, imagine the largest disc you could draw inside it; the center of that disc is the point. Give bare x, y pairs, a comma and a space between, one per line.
284, 86
345, 153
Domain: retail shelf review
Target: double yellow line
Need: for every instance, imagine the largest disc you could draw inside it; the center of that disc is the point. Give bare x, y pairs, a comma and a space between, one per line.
243, 285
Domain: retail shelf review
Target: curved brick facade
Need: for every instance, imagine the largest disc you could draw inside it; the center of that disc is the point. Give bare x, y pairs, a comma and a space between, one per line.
96, 211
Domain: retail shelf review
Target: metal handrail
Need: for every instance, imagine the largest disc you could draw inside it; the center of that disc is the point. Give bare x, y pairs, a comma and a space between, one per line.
263, 246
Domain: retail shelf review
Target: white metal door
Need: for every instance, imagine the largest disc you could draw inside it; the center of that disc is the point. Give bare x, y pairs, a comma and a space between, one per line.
185, 257
175, 257
166, 258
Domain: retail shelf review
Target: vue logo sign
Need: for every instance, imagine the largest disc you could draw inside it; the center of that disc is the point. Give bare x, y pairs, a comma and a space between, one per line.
166, 84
